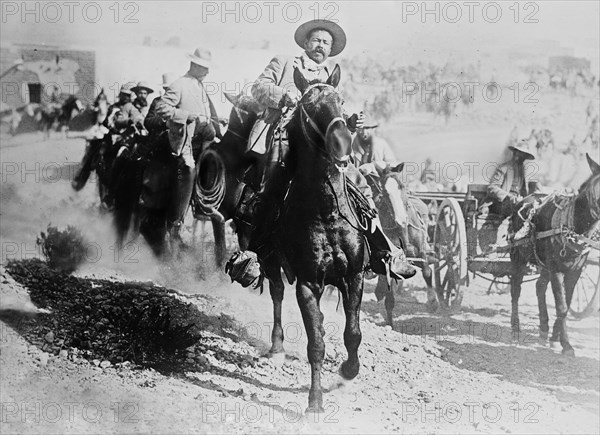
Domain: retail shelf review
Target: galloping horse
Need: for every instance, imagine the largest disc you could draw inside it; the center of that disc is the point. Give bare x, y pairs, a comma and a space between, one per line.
404, 220
318, 233
222, 170
221, 166
563, 226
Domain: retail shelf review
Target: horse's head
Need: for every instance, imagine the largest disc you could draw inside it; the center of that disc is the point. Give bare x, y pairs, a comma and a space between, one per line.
590, 189
320, 117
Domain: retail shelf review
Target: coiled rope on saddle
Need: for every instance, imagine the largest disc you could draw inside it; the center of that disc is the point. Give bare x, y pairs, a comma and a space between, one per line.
209, 188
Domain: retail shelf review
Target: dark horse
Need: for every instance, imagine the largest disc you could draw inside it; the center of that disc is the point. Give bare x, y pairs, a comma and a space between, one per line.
404, 220
221, 167
317, 232
559, 224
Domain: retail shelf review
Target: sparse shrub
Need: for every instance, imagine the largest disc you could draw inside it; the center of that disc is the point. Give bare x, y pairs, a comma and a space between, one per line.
64, 250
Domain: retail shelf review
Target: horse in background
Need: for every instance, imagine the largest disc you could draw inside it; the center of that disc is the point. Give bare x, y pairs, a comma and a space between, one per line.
404, 219
556, 246
221, 170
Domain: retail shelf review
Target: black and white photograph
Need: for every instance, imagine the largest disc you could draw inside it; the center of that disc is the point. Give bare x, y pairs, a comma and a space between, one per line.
309, 217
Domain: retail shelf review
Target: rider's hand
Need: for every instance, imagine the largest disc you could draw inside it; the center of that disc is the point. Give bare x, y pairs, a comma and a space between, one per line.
355, 121
288, 100
513, 198
191, 118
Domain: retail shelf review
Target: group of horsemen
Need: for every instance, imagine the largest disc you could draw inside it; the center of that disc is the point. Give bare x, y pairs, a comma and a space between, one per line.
187, 116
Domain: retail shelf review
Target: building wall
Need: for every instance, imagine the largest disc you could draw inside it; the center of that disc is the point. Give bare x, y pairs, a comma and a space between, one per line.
57, 70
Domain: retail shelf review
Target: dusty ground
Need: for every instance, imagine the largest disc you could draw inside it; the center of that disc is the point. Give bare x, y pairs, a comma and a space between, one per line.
449, 373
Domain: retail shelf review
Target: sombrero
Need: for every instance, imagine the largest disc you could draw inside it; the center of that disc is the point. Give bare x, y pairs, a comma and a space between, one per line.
201, 57
522, 147
370, 124
337, 33
142, 86
127, 88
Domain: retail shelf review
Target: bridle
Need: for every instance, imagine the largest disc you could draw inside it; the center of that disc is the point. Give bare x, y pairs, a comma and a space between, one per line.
306, 121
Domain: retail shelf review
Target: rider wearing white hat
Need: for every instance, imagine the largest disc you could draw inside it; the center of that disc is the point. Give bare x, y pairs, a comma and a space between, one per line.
191, 120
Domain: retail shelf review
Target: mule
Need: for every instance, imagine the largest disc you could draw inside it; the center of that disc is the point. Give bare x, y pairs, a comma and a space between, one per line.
557, 225
404, 219
318, 232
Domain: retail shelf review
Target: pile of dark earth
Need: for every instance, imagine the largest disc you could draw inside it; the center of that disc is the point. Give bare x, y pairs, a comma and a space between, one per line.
120, 322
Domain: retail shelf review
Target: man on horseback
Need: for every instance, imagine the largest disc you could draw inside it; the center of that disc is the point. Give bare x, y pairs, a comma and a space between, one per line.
275, 89
125, 113
142, 90
191, 121
154, 123
369, 148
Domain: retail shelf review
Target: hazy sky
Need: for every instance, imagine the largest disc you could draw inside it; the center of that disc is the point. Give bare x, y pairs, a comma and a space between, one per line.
370, 26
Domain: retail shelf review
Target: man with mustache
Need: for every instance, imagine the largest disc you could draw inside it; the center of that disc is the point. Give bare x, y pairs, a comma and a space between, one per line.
275, 89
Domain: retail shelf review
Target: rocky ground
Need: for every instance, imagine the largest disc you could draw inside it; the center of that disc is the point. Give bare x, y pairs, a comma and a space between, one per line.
456, 372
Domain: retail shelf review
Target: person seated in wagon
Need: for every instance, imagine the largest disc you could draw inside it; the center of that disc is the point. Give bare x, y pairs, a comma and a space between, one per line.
507, 188
275, 90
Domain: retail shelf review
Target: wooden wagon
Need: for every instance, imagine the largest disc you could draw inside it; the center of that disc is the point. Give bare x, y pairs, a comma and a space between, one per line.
455, 231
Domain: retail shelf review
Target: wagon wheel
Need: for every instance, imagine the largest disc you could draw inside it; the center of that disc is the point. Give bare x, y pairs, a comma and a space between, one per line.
585, 295
450, 243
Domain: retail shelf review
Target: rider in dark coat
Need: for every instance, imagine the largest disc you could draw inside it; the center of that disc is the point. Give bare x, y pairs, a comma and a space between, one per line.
275, 89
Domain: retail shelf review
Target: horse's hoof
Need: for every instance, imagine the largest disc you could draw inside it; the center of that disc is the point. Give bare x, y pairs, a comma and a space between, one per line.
432, 306
554, 344
349, 371
278, 358
568, 352
314, 409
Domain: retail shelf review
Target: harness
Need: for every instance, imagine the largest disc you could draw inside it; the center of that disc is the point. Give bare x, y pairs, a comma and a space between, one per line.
350, 190
563, 232
306, 120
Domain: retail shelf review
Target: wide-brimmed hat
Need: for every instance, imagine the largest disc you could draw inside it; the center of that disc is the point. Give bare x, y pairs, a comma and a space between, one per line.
337, 33
142, 86
522, 147
127, 88
369, 123
201, 57
168, 78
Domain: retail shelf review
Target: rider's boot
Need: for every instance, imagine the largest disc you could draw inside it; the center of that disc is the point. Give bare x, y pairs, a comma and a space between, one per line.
83, 174
183, 186
386, 258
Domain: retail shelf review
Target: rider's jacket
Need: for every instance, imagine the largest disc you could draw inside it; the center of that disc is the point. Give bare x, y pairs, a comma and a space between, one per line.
278, 78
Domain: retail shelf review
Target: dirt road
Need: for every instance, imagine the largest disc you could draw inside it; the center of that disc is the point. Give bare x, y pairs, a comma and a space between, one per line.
448, 373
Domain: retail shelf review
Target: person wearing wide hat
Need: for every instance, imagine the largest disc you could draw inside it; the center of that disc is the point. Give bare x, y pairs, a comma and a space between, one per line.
507, 188
142, 90
276, 91
153, 122
126, 110
192, 123
367, 147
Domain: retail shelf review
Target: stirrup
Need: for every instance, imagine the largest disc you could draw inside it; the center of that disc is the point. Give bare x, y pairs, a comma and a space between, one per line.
243, 267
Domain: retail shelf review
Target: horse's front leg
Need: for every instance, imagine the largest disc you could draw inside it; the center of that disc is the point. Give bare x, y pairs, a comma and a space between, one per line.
308, 300
516, 280
219, 236
563, 297
352, 297
276, 289
540, 289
